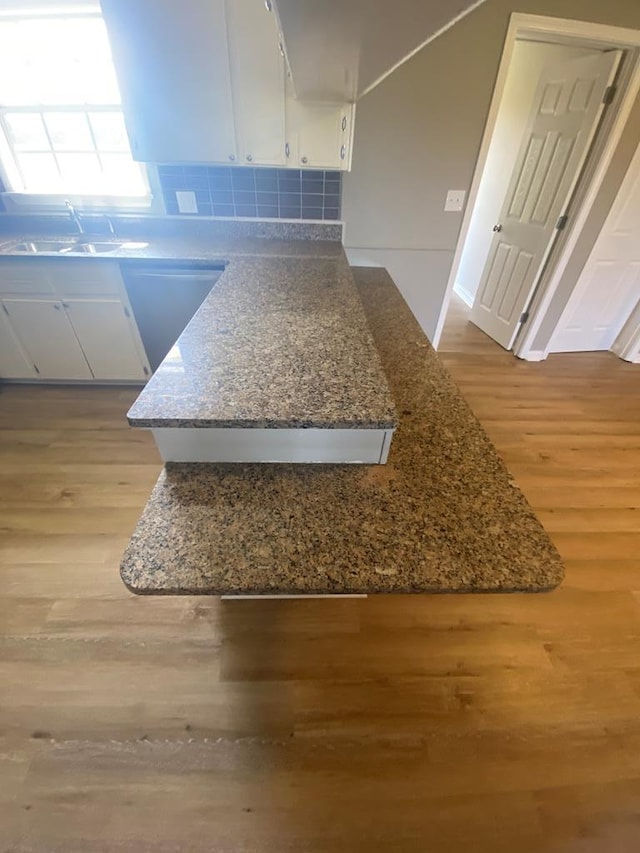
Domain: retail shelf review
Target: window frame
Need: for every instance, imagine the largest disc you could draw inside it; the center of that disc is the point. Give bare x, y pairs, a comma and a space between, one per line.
20, 201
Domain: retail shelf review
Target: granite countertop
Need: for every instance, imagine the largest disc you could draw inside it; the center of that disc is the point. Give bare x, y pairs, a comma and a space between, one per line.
443, 515
280, 342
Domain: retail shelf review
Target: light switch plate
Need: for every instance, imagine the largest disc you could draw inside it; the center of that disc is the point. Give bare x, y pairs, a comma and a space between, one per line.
455, 200
186, 201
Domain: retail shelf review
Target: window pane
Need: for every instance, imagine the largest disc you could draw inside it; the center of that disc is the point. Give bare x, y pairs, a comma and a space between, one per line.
81, 172
109, 131
69, 131
56, 61
39, 173
123, 176
26, 131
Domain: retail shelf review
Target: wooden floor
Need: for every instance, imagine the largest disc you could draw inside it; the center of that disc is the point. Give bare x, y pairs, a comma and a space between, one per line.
492, 724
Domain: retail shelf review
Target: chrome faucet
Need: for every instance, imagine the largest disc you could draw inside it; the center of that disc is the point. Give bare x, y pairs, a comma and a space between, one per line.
74, 216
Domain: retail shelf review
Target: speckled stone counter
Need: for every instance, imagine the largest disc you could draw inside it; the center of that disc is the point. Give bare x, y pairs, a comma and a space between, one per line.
443, 515
280, 342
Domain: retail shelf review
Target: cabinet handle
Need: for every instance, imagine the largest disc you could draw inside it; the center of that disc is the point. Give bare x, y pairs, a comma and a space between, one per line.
343, 152
304, 159
281, 48
56, 306
287, 150
249, 158
344, 123
232, 157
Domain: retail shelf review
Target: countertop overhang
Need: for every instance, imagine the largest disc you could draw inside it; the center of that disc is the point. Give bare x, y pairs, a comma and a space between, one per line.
281, 342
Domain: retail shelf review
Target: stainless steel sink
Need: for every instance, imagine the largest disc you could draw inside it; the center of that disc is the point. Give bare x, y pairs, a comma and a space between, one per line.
90, 248
32, 247
71, 247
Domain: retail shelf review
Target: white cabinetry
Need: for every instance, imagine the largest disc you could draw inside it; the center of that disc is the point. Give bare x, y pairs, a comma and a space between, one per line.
97, 323
173, 70
258, 83
319, 135
68, 320
14, 362
44, 330
207, 83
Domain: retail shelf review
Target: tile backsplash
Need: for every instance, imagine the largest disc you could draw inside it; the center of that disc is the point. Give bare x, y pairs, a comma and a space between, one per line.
254, 193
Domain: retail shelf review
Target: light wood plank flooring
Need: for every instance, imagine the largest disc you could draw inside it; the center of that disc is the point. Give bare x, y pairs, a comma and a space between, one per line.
493, 724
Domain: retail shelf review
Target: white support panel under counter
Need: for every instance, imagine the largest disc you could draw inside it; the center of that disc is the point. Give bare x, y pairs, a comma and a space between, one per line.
193, 444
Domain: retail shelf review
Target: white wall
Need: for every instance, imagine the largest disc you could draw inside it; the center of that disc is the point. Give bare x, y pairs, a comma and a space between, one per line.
529, 60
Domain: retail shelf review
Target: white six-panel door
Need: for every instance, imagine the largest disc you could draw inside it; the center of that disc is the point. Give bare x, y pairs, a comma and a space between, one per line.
566, 112
609, 287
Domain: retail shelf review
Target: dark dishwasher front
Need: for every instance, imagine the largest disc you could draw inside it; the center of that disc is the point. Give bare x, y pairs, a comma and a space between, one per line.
164, 297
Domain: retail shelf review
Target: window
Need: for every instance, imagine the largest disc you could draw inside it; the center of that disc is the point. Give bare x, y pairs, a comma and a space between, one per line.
62, 131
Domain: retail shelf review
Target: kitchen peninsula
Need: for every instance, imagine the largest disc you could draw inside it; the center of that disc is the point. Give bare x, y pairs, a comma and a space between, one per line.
443, 515
287, 339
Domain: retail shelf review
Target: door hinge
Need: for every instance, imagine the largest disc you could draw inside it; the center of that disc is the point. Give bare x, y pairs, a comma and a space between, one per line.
126, 311
609, 94
524, 317
560, 224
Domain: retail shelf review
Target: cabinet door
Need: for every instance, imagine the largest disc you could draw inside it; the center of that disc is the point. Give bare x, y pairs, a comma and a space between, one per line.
26, 275
172, 64
14, 364
107, 336
46, 335
258, 78
318, 134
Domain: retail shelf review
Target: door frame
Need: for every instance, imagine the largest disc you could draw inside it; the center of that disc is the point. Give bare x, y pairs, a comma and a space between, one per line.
627, 344
599, 36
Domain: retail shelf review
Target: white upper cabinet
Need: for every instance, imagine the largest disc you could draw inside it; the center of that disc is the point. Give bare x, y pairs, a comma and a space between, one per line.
319, 135
257, 82
205, 81
173, 68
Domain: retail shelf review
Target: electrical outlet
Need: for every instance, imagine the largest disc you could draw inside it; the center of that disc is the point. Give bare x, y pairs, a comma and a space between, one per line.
455, 200
186, 201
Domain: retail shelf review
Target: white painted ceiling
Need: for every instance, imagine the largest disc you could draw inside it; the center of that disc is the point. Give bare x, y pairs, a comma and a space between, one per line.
339, 49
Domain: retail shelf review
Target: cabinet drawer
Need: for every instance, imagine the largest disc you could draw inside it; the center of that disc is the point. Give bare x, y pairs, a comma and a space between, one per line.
28, 276
76, 277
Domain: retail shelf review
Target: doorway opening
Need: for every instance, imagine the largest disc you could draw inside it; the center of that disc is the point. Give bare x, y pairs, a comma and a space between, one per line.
559, 138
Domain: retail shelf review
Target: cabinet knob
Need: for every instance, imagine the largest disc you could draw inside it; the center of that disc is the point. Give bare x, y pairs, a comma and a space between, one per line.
268, 5
344, 123
343, 152
497, 228
281, 49
232, 157
304, 159
287, 150
249, 158
56, 306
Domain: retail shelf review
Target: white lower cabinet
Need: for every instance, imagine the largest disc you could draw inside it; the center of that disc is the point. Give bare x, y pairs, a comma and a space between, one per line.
70, 322
97, 323
14, 362
47, 336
